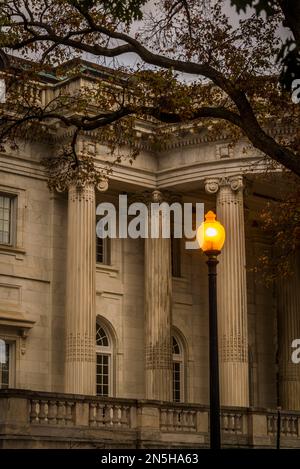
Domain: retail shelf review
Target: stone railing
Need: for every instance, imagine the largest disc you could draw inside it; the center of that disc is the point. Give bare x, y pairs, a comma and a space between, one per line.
51, 412
64, 411
178, 420
289, 424
233, 422
37, 419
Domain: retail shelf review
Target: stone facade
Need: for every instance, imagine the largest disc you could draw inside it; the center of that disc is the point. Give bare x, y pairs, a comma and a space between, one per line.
53, 292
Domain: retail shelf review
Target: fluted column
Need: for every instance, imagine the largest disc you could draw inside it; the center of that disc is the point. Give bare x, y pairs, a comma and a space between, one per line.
158, 317
232, 293
289, 330
80, 333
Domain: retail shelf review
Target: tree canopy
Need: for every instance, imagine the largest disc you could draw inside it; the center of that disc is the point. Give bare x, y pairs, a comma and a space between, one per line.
234, 70
289, 56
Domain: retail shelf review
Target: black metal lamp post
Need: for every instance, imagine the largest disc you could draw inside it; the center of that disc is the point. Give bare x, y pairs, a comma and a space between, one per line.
211, 237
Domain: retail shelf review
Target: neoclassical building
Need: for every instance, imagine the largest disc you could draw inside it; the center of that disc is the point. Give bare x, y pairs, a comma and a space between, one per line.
104, 343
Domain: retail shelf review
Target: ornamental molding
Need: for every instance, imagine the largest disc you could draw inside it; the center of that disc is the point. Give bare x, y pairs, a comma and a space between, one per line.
212, 185
155, 196
192, 138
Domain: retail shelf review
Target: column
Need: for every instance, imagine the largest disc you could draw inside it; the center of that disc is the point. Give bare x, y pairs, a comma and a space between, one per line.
289, 330
80, 326
158, 315
232, 293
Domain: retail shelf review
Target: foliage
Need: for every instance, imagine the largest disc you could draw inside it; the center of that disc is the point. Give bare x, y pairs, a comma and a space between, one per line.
289, 56
125, 11
280, 221
268, 6
234, 70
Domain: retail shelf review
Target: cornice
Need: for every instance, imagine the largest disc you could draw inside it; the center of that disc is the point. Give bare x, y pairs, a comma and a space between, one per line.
146, 135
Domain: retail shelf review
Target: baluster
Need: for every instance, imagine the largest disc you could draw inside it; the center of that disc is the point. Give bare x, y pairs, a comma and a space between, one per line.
52, 412
274, 424
290, 426
268, 425
181, 419
108, 410
43, 411
163, 419
69, 413
171, 416
185, 420
238, 423
125, 416
60, 413
232, 423
116, 417
189, 420
225, 422
92, 414
192, 420
100, 415
33, 411
295, 426
284, 426
178, 419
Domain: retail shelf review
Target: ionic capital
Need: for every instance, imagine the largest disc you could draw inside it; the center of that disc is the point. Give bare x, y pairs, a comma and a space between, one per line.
212, 185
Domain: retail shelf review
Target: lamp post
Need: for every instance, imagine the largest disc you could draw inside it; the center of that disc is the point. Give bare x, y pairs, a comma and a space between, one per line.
211, 238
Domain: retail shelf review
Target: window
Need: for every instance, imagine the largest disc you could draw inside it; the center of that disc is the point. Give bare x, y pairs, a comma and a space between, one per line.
7, 219
104, 359
6, 361
103, 250
178, 371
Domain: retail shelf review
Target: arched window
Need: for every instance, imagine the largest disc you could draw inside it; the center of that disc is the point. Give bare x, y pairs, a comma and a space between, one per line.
104, 361
178, 370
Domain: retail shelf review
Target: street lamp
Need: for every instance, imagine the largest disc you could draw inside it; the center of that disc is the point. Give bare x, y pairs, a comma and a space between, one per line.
211, 238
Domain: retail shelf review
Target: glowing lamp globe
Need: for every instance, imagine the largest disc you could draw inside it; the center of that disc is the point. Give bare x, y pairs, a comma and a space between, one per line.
211, 234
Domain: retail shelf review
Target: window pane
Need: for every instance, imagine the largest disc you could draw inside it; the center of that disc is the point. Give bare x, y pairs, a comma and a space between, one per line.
176, 349
102, 375
176, 382
99, 250
5, 219
101, 337
4, 364
102, 250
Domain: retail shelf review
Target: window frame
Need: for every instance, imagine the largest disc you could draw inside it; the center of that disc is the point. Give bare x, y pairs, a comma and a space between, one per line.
106, 254
12, 363
13, 198
179, 358
106, 351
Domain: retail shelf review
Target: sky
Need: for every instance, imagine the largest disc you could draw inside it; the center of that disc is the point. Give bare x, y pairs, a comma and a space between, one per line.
131, 60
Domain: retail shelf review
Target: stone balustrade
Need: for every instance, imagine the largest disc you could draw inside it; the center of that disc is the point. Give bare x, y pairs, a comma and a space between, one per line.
178, 420
51, 412
30, 419
289, 425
